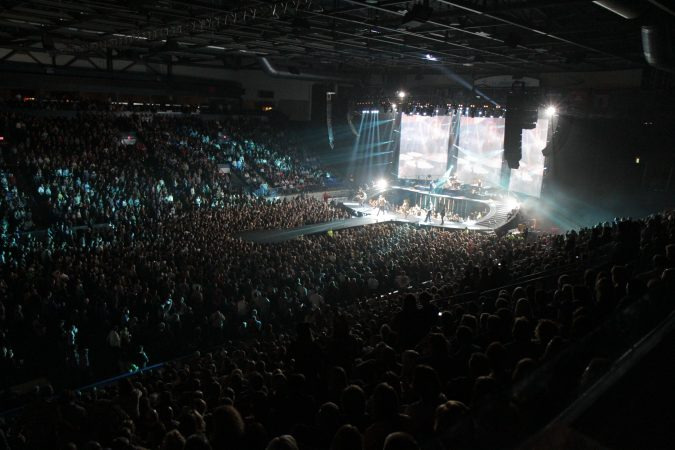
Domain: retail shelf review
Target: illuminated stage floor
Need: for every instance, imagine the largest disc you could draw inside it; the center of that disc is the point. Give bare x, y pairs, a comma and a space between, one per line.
273, 236
369, 211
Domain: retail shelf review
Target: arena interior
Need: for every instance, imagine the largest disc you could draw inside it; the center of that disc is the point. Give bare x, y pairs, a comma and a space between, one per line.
337, 224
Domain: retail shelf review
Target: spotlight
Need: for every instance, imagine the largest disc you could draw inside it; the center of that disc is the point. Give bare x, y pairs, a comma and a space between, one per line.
401, 94
512, 203
551, 111
382, 183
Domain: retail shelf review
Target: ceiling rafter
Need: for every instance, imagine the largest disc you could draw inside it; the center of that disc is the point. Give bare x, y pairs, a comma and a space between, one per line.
468, 36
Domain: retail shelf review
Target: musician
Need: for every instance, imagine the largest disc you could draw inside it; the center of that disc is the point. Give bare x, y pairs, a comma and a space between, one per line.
381, 204
440, 209
361, 197
429, 212
406, 207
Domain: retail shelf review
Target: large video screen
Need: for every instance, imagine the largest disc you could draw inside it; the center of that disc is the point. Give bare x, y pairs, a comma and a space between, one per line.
424, 146
480, 150
480, 153
527, 178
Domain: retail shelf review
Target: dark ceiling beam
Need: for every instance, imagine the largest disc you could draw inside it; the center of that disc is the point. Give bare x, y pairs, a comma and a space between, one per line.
471, 9
128, 66
345, 34
458, 29
96, 66
147, 65
466, 31
352, 8
8, 55
375, 39
70, 62
33, 57
534, 4
440, 41
360, 22
395, 49
355, 47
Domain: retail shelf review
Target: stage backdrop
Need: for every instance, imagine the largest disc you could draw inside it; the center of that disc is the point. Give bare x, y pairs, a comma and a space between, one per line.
424, 146
480, 149
527, 178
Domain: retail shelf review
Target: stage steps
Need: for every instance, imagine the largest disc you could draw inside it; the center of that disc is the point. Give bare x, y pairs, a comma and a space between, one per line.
499, 218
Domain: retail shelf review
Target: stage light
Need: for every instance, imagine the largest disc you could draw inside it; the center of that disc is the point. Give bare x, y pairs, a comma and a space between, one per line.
382, 183
512, 203
551, 111
430, 57
401, 94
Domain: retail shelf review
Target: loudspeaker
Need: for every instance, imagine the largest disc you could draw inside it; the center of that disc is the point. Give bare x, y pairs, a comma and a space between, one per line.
657, 47
513, 143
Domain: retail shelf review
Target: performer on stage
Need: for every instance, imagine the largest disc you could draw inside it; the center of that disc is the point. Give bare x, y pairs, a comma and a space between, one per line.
429, 211
406, 207
361, 197
381, 203
441, 211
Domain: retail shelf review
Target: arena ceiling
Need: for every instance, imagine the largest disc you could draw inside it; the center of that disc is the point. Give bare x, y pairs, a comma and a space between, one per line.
480, 37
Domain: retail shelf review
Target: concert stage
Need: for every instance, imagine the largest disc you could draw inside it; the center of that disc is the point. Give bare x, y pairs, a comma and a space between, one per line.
370, 217
498, 212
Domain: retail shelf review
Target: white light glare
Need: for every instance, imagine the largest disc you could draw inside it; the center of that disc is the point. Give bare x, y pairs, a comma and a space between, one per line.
430, 57
401, 94
382, 183
512, 203
551, 111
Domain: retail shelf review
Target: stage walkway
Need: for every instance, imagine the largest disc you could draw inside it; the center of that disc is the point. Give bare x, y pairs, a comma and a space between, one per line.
274, 236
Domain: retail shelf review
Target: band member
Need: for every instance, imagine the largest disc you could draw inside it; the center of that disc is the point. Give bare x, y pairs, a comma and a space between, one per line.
429, 211
440, 209
361, 197
381, 203
406, 207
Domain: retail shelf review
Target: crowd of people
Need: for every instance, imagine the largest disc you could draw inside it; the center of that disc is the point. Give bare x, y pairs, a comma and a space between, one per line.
365, 338
101, 302
87, 169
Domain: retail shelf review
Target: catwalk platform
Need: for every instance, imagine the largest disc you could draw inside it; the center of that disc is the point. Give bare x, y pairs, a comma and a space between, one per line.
369, 217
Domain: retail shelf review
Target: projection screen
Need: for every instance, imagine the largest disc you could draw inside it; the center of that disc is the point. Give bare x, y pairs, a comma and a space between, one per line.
480, 148
528, 177
424, 146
